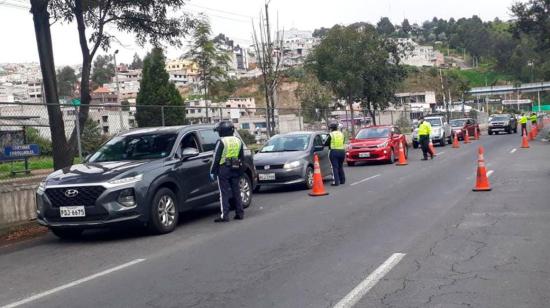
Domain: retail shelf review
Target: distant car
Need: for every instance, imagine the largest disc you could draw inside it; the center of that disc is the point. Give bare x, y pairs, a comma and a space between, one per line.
287, 159
460, 126
144, 176
376, 143
502, 123
441, 131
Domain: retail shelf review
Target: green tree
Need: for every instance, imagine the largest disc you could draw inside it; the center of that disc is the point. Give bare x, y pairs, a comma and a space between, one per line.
385, 27
103, 70
66, 80
92, 137
137, 63
247, 137
150, 21
533, 18
211, 59
157, 90
34, 137
406, 26
314, 99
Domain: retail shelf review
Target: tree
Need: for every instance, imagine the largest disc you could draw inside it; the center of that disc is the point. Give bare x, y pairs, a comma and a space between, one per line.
157, 90
321, 32
103, 70
314, 99
92, 138
66, 80
148, 20
406, 26
137, 63
33, 137
211, 59
247, 137
385, 27
533, 18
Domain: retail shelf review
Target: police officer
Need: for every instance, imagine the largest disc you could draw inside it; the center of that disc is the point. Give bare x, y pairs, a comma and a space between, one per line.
424, 132
226, 168
337, 154
523, 122
533, 119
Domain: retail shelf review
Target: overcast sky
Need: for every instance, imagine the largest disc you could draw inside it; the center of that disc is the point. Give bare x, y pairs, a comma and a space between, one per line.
232, 17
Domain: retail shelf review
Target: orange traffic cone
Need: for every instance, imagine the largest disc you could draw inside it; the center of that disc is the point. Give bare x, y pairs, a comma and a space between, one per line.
318, 188
531, 135
456, 145
524, 143
466, 137
476, 134
535, 130
402, 159
431, 148
482, 181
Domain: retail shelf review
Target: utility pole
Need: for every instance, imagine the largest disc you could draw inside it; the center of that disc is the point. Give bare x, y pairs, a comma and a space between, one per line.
118, 94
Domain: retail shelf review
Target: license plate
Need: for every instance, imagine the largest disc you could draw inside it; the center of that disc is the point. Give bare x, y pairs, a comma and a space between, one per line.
266, 176
72, 211
364, 155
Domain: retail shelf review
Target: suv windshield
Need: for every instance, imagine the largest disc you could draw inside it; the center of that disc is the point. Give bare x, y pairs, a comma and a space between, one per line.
370, 133
457, 123
500, 118
434, 121
287, 143
135, 147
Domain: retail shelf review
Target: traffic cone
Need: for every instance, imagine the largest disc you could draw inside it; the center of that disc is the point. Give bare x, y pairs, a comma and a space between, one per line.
431, 147
476, 134
535, 131
482, 181
524, 143
531, 135
318, 188
467, 137
456, 145
402, 158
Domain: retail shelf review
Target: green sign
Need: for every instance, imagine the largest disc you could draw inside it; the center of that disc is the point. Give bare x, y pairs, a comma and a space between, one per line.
75, 102
542, 108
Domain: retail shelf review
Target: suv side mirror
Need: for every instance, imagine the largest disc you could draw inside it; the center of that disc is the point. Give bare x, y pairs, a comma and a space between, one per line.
318, 148
188, 153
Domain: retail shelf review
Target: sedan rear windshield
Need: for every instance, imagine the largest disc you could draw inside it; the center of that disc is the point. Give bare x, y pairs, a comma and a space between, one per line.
135, 147
287, 143
371, 132
457, 123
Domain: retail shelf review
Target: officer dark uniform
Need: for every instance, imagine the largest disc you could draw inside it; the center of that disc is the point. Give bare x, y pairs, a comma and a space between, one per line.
523, 122
226, 167
424, 131
337, 154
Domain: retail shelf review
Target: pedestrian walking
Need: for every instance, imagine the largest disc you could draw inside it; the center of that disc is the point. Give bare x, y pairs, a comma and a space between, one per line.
337, 154
424, 132
523, 122
227, 169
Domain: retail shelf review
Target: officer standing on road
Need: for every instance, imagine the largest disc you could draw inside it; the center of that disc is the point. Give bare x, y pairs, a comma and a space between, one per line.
227, 168
337, 155
523, 122
424, 132
533, 119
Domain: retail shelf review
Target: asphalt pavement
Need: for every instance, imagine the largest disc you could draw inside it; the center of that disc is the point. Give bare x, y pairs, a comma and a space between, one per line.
410, 236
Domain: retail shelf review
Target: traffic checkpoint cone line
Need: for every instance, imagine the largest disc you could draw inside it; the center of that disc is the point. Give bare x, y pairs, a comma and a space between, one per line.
467, 137
524, 142
456, 145
431, 147
482, 181
531, 135
402, 159
318, 188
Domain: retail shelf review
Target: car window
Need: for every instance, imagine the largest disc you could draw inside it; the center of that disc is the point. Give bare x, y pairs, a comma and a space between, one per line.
189, 141
287, 143
318, 141
208, 139
135, 147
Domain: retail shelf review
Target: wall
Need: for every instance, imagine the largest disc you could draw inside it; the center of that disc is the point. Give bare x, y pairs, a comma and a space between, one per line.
17, 203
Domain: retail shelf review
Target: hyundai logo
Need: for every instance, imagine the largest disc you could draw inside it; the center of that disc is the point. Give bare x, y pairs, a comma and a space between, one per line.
71, 193
266, 167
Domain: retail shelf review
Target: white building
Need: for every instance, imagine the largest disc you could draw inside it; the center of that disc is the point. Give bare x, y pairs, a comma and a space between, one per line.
420, 56
297, 45
417, 101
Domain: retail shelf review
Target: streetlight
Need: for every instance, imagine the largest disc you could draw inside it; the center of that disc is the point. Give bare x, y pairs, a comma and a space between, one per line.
118, 94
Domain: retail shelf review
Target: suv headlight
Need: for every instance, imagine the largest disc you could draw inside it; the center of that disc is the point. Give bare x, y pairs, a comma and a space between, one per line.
128, 180
127, 197
41, 187
291, 165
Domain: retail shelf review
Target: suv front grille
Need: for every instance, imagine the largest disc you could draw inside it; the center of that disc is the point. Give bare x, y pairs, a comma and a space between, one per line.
87, 195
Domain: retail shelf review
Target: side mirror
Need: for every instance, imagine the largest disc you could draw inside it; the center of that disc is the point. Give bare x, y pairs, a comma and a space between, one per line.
189, 153
318, 148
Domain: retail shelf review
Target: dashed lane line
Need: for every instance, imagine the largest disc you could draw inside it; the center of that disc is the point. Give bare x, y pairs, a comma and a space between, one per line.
490, 172
364, 180
363, 288
513, 151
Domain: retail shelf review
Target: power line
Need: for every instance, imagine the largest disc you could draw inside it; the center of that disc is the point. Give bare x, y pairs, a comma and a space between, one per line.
218, 10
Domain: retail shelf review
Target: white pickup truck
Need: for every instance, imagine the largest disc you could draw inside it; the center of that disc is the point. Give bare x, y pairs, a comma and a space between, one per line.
441, 131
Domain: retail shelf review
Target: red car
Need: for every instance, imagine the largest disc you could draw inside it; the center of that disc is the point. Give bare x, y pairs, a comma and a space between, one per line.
459, 127
376, 143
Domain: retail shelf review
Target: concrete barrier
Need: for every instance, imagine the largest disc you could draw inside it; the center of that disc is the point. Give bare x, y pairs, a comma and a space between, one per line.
17, 203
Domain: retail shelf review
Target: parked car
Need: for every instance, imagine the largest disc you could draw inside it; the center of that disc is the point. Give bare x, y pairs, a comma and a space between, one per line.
145, 176
502, 123
441, 131
376, 143
287, 159
460, 126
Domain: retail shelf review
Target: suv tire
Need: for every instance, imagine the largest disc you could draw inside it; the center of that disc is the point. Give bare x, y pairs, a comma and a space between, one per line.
443, 141
66, 233
164, 212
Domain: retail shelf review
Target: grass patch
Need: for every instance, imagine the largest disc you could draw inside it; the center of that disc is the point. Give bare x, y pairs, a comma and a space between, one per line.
481, 78
35, 163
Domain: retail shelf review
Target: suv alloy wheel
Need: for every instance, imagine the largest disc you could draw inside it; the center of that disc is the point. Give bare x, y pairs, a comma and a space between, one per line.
164, 212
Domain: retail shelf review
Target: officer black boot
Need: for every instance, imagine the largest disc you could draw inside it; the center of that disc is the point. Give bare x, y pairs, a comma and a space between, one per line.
220, 220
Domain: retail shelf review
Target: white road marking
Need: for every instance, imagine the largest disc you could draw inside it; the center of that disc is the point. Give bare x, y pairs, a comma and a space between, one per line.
441, 153
490, 172
513, 151
364, 180
71, 284
356, 294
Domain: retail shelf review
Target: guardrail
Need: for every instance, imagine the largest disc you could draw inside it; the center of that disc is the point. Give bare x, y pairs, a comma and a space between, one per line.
507, 89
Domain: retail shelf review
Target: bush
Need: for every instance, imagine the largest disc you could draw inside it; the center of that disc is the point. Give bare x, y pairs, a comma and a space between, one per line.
403, 123
92, 138
33, 137
247, 137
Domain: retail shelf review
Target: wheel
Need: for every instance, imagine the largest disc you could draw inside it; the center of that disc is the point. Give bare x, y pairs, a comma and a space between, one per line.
245, 185
490, 132
309, 177
443, 141
350, 163
415, 144
71, 233
509, 130
164, 212
392, 157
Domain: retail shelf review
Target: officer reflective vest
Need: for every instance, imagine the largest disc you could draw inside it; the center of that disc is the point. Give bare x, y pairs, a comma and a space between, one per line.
336, 140
425, 129
231, 148
533, 119
523, 120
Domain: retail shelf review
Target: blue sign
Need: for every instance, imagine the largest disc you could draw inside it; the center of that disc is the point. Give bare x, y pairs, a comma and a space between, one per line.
18, 152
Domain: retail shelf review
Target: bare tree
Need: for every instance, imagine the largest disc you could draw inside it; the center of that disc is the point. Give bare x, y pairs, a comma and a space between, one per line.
269, 56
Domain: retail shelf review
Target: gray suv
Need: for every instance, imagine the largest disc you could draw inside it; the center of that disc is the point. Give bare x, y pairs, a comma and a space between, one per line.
145, 176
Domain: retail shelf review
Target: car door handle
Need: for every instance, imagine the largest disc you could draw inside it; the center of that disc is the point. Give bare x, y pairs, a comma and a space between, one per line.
206, 160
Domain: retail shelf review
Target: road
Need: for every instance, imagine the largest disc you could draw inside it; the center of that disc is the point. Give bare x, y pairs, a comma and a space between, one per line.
411, 236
